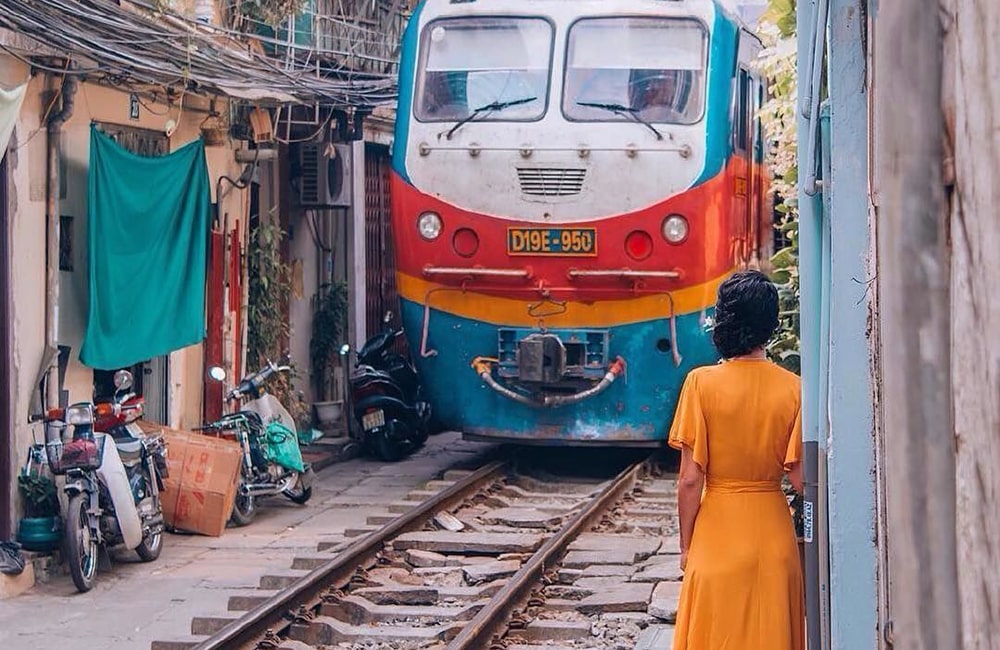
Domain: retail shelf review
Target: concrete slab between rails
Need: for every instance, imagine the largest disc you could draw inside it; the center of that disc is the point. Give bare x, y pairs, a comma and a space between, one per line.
426, 595
668, 570
521, 518
360, 611
328, 631
491, 571
643, 546
277, 580
584, 559
656, 637
663, 602
548, 631
628, 597
481, 543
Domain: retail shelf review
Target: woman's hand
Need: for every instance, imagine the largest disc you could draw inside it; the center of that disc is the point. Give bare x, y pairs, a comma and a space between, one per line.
684, 559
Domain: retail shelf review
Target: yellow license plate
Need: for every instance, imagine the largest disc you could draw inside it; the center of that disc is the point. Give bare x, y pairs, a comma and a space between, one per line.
568, 242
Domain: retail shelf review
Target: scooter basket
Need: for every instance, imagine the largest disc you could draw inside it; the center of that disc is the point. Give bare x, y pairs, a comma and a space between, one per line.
82, 454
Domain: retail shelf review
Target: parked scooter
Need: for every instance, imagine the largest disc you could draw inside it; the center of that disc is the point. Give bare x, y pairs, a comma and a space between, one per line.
385, 398
272, 461
113, 489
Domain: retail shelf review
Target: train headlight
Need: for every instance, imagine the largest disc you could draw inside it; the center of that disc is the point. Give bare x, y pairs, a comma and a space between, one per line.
675, 229
429, 225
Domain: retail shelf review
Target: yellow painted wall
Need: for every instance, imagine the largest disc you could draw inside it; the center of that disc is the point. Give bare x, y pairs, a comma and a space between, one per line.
28, 193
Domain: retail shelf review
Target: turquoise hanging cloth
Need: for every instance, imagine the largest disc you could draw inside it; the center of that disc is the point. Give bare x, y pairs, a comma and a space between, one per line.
148, 221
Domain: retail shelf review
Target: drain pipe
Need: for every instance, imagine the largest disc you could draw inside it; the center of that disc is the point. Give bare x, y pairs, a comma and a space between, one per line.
51, 361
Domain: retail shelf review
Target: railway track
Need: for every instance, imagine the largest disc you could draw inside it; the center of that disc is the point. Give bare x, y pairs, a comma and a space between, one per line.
508, 556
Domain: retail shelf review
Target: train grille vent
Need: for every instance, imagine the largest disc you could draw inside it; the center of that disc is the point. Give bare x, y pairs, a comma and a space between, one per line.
551, 181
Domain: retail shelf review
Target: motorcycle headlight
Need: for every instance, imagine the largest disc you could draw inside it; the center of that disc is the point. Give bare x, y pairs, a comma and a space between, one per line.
429, 225
80, 414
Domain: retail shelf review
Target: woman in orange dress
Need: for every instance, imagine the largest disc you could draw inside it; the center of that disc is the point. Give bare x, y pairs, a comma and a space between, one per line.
738, 426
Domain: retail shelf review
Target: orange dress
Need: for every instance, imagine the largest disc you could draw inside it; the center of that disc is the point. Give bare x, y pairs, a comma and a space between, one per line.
743, 582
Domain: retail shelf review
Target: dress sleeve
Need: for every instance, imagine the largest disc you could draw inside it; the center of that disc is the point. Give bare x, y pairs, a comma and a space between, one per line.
793, 453
689, 428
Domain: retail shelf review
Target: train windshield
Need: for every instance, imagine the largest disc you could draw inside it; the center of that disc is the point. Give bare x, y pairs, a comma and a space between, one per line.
495, 68
627, 68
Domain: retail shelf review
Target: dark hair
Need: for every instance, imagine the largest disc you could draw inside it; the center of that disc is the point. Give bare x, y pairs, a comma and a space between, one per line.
746, 313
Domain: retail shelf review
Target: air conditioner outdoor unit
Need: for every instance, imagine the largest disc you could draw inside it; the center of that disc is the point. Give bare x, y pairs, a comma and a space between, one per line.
325, 179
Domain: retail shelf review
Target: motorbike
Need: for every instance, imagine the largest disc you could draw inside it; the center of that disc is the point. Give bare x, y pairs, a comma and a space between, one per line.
386, 398
113, 489
265, 430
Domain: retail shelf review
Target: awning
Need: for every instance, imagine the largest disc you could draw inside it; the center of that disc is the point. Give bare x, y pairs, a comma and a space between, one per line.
146, 45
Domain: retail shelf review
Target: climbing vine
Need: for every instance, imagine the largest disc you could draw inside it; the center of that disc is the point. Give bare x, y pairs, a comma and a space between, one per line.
778, 64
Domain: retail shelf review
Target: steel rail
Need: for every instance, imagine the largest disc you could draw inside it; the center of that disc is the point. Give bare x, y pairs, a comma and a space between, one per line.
492, 619
272, 614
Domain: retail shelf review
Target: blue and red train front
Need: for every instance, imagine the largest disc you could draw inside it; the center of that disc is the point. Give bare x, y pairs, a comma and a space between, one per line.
563, 211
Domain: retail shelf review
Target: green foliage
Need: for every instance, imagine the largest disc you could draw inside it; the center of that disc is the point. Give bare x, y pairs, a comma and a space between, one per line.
329, 323
269, 12
39, 495
778, 64
269, 286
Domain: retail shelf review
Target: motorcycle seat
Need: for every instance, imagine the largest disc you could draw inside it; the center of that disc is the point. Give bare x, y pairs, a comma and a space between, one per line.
128, 446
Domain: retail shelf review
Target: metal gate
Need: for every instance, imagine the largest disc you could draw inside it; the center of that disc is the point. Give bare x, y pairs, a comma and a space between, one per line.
380, 281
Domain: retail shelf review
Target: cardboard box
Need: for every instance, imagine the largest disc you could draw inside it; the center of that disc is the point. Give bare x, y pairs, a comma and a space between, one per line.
198, 495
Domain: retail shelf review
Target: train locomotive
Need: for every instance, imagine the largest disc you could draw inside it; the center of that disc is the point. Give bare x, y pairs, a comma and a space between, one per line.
571, 181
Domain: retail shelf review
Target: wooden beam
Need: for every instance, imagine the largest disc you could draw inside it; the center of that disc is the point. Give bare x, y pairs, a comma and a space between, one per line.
915, 319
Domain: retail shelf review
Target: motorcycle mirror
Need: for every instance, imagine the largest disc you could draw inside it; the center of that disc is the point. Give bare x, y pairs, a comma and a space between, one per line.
387, 317
123, 380
344, 349
218, 373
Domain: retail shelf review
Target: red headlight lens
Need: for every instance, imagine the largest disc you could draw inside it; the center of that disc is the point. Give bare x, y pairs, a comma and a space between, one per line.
639, 245
465, 242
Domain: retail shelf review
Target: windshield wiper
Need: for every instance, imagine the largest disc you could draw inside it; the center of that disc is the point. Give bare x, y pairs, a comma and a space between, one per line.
624, 111
487, 109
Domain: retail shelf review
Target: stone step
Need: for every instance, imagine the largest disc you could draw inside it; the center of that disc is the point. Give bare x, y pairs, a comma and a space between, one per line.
521, 518
401, 507
359, 532
246, 599
643, 546
360, 611
584, 559
663, 603
655, 637
438, 485
547, 631
420, 496
311, 562
629, 597
455, 475
332, 545
277, 580
209, 625
381, 520
178, 643
326, 630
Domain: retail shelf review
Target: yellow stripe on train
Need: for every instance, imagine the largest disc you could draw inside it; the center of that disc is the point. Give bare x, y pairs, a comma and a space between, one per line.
513, 312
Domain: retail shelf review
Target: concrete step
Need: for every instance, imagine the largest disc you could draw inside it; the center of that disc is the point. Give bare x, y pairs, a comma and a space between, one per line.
246, 599
177, 643
281, 579
209, 625
359, 532
380, 520
311, 562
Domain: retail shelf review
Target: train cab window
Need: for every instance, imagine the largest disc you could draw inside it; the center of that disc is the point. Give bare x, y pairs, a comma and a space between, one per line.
496, 68
652, 68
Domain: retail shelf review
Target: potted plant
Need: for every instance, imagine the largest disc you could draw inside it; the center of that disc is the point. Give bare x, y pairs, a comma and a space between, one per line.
329, 321
41, 528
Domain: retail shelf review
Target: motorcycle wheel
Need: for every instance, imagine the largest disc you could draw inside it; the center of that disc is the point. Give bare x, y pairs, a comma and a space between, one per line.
81, 547
244, 509
151, 545
298, 494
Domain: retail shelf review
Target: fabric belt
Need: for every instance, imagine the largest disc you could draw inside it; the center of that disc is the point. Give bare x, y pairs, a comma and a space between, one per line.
731, 486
